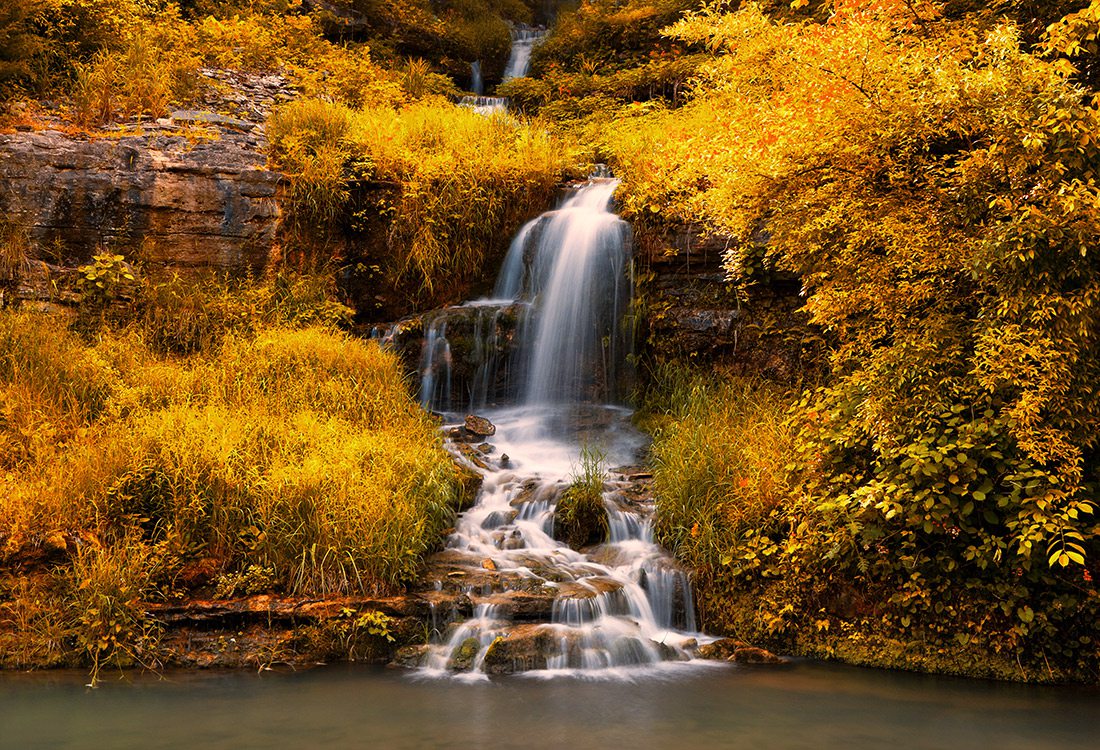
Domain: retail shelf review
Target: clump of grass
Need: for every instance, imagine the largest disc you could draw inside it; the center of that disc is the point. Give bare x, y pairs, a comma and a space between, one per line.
580, 518
720, 465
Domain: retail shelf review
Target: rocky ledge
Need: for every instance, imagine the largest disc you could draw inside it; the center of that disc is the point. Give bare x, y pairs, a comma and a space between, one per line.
157, 192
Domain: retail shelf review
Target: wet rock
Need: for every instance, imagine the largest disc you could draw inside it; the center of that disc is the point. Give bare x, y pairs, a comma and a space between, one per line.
524, 648
499, 518
479, 426
730, 649
488, 564
462, 658
473, 455
670, 653
722, 649
486, 448
535, 604
754, 655
411, 657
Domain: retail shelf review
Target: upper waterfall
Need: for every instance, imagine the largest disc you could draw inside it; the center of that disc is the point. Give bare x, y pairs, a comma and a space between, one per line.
558, 328
582, 293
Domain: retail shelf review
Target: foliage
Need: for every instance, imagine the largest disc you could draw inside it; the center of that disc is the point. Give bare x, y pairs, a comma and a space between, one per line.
463, 180
107, 278
580, 518
720, 468
936, 192
272, 458
18, 43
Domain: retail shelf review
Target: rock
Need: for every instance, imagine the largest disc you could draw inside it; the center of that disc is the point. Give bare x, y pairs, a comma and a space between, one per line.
721, 649
199, 117
479, 426
486, 448
410, 657
211, 203
754, 655
488, 564
523, 649
462, 658
505, 461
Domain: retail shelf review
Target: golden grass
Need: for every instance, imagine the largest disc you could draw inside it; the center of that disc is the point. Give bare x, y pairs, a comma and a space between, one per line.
464, 179
720, 463
297, 452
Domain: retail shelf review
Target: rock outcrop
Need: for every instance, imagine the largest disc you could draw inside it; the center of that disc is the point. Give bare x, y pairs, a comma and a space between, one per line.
158, 194
691, 312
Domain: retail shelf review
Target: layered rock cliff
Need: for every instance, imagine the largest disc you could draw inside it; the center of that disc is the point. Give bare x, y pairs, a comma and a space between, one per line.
174, 200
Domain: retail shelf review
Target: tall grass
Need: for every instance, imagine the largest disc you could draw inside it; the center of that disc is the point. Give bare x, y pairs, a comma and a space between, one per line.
296, 452
463, 180
720, 465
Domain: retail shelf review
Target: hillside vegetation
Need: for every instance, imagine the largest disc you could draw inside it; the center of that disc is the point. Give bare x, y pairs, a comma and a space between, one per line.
930, 172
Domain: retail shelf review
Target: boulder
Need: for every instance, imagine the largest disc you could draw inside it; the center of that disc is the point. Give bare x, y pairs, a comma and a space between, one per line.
479, 426
524, 648
462, 658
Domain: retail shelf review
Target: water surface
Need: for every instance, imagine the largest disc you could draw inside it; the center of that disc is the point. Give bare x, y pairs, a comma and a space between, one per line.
807, 705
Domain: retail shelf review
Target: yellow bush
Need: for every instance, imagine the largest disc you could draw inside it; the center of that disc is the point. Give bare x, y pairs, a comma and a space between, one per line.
298, 452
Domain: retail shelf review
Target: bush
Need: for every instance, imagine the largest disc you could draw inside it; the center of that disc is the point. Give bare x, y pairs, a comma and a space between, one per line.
287, 459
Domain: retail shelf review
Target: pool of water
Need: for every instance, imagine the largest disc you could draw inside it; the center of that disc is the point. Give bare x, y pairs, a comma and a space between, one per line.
805, 705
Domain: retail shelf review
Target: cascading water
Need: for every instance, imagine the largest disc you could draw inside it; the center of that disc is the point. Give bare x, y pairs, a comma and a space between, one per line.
532, 603
524, 39
477, 83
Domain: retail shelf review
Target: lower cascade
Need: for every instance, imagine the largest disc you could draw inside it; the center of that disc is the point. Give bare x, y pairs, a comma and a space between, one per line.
554, 570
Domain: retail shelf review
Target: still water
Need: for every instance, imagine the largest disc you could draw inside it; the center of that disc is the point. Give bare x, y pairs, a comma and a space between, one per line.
805, 705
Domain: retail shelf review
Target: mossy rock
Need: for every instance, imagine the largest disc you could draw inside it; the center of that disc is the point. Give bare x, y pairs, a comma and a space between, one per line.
580, 518
462, 658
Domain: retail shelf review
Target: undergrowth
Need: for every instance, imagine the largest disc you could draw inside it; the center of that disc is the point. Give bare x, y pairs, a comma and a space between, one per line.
159, 457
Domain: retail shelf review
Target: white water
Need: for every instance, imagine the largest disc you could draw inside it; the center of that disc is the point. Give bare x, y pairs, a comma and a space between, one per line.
477, 84
484, 105
623, 604
524, 39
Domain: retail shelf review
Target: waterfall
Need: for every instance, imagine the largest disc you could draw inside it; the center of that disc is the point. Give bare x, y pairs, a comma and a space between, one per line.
477, 85
484, 105
571, 269
550, 349
524, 39
584, 285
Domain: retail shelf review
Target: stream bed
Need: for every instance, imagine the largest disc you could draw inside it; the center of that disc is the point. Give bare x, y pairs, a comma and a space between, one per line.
803, 705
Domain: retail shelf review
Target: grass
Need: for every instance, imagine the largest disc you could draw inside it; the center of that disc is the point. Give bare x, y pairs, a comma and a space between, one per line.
274, 457
463, 181
720, 456
580, 517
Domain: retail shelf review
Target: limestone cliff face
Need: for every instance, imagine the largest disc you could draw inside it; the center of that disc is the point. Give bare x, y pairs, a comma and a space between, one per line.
208, 203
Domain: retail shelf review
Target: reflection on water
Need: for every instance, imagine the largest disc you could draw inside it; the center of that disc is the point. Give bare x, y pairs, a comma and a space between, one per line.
807, 705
